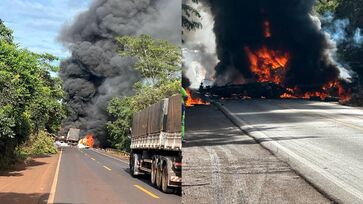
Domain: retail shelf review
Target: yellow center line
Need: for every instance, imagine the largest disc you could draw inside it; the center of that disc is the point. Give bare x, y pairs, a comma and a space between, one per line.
146, 191
107, 168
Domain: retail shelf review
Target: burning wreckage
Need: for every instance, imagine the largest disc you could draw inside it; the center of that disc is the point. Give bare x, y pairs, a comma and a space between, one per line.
273, 49
262, 90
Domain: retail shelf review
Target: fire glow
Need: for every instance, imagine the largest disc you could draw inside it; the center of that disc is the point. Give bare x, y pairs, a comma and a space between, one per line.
193, 101
267, 64
88, 140
270, 65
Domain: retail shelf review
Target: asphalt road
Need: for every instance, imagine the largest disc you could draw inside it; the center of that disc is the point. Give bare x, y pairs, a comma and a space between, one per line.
223, 165
87, 176
323, 141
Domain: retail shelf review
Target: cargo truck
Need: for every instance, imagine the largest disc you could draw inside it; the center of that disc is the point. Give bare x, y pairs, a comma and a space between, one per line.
156, 144
73, 136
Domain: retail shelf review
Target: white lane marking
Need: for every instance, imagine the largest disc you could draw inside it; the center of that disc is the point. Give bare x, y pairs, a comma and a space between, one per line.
107, 168
55, 181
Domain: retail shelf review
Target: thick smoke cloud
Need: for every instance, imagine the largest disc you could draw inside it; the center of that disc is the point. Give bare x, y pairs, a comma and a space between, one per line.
238, 24
95, 73
199, 49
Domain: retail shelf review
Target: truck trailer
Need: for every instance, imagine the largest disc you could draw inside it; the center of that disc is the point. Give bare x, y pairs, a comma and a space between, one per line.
156, 144
73, 136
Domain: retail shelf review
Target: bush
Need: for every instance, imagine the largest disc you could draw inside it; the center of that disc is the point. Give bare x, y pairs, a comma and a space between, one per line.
40, 144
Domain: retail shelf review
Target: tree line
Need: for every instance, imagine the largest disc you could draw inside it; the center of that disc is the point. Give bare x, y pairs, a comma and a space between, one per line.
350, 54
159, 64
30, 99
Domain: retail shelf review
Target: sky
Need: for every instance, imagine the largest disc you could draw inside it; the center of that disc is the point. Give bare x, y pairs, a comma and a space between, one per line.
37, 23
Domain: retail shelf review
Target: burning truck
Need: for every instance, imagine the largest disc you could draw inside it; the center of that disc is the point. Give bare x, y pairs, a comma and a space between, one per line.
273, 49
156, 144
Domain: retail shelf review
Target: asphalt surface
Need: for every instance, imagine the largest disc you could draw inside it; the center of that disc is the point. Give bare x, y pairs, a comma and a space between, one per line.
223, 165
322, 141
87, 176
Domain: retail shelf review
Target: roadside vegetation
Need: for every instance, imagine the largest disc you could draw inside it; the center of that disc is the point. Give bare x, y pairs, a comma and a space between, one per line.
30, 101
350, 51
159, 64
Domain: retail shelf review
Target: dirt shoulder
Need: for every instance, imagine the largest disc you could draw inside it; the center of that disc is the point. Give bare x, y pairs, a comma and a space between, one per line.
114, 153
30, 183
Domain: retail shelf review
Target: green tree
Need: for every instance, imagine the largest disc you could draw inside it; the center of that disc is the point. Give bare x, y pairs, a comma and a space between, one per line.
30, 98
6, 33
157, 60
323, 6
190, 16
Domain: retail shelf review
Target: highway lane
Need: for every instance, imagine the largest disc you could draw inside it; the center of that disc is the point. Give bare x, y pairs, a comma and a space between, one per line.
86, 176
223, 165
323, 141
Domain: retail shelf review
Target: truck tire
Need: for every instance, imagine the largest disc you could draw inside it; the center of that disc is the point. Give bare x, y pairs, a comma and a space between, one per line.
133, 165
153, 172
165, 180
158, 176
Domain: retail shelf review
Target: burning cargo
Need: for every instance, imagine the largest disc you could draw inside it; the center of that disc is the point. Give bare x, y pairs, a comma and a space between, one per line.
274, 42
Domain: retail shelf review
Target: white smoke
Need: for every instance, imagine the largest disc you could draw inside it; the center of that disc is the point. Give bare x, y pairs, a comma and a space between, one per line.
337, 29
199, 49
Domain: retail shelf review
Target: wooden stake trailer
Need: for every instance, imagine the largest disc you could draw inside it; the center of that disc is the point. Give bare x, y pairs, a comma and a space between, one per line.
156, 144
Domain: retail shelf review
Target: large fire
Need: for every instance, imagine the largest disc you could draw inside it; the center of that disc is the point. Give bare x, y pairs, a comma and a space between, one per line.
270, 65
267, 64
193, 101
88, 140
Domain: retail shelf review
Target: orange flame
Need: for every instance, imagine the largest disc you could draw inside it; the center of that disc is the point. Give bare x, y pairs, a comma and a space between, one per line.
193, 101
343, 94
88, 140
268, 65
267, 29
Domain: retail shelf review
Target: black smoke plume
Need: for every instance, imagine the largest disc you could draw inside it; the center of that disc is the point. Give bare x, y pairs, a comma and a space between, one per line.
293, 29
95, 73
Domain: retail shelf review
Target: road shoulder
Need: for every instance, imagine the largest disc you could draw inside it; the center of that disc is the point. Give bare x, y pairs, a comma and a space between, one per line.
30, 183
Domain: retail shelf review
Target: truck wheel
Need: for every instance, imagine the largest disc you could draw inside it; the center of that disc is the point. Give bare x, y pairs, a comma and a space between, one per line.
153, 172
133, 165
158, 176
165, 180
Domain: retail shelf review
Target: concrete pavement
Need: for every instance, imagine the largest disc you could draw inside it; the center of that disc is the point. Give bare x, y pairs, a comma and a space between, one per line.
223, 165
322, 141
